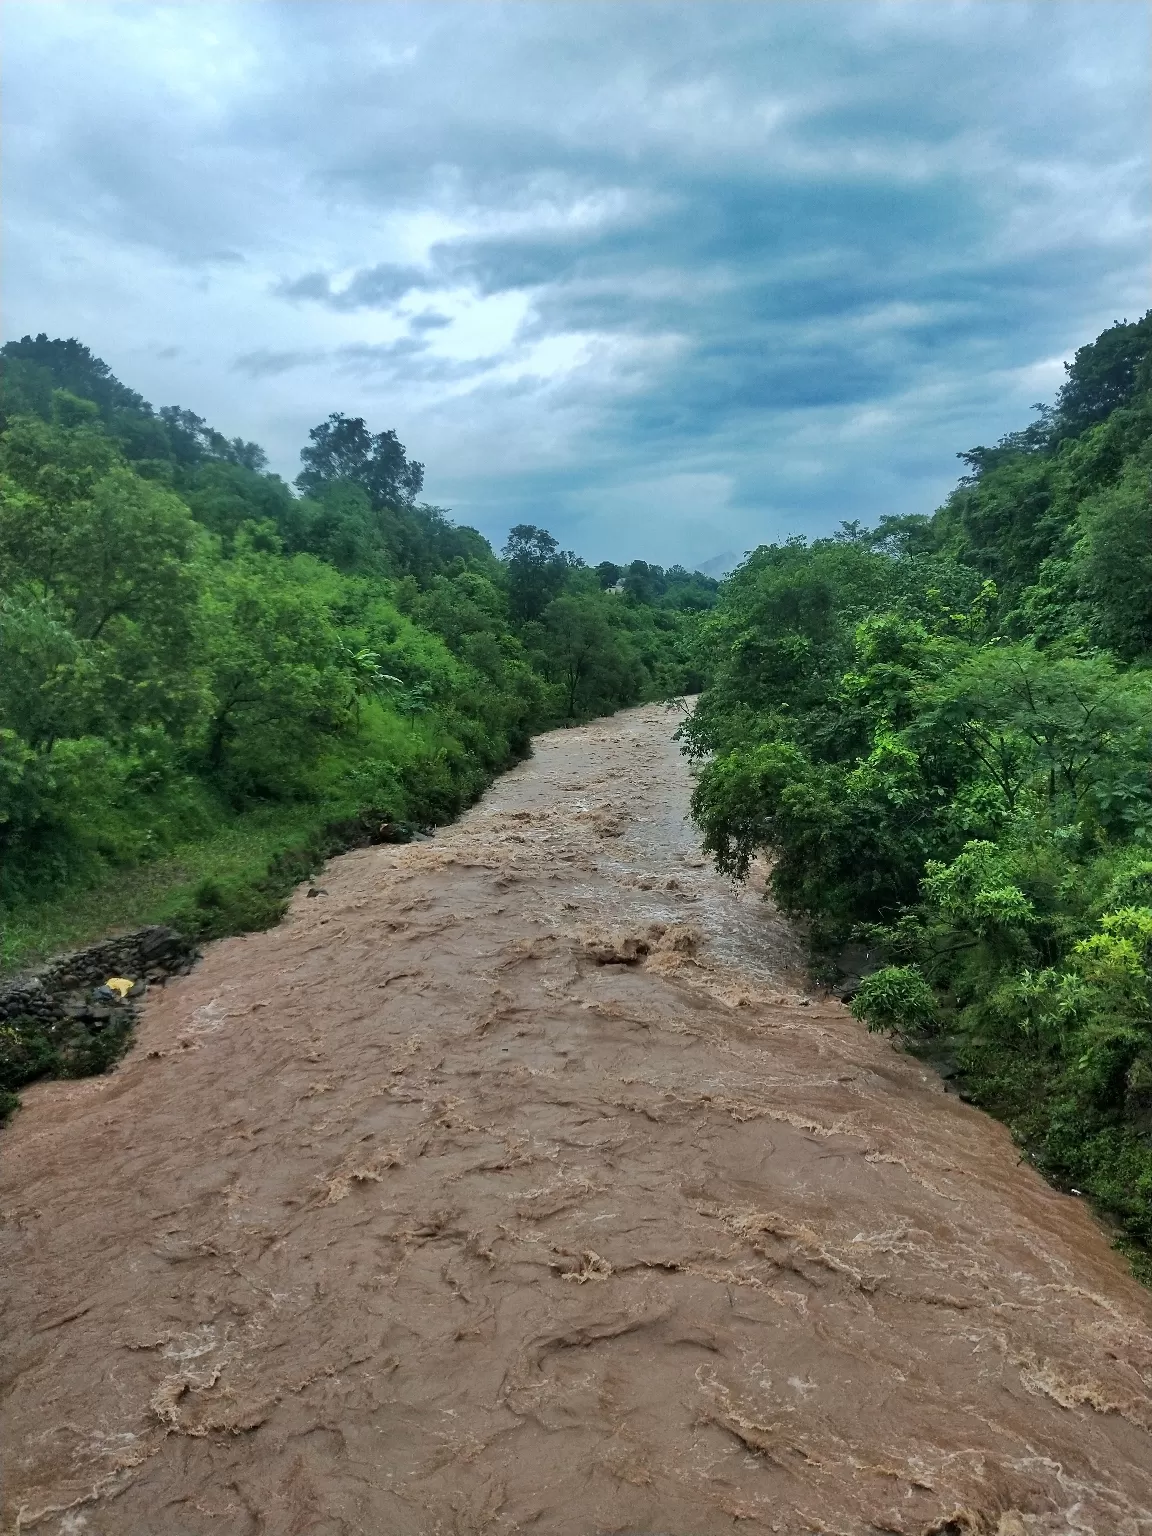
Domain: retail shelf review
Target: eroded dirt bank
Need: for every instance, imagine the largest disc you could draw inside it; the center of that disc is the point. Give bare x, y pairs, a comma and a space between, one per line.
424, 1214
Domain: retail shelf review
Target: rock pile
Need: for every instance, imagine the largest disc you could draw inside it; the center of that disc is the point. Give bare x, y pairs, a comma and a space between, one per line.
67, 1021
146, 955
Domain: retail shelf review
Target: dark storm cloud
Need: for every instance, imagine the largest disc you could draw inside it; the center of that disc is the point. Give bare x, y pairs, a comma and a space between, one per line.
375, 287
430, 320
406, 358
265, 363
683, 276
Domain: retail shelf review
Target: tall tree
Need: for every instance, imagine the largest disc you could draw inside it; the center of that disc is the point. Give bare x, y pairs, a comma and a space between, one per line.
1106, 373
342, 448
537, 570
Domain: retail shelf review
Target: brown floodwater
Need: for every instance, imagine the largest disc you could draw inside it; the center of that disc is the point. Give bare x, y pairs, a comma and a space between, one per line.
519, 1184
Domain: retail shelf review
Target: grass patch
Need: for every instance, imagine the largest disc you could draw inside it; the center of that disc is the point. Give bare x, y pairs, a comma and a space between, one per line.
236, 855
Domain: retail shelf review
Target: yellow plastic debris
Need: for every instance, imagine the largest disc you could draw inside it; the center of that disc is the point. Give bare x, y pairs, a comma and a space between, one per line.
120, 985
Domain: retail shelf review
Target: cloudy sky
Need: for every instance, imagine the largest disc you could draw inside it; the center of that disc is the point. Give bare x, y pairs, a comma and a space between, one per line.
670, 279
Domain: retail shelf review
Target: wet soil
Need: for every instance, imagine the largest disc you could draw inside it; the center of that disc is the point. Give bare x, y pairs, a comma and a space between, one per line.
517, 1184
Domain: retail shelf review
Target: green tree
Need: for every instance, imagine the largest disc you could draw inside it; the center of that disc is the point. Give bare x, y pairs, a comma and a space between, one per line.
1112, 562
342, 448
225, 496
580, 652
1106, 374
537, 570
278, 686
1066, 728
112, 559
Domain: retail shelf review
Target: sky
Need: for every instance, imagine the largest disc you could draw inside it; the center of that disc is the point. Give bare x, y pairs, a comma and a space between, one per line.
671, 280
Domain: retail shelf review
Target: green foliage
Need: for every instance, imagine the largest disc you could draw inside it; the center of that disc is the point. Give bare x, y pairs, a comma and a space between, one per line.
343, 449
188, 648
65, 365
1106, 374
537, 570
226, 498
279, 680
898, 1000
940, 733
1111, 563
588, 655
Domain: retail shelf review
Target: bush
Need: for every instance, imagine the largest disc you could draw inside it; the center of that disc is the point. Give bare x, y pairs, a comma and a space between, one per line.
897, 1000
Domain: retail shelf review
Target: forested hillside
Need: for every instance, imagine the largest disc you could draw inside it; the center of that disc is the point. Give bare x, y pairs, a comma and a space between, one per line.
940, 731
207, 674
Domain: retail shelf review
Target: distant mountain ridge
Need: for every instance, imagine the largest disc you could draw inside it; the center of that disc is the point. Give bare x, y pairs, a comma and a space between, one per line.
719, 565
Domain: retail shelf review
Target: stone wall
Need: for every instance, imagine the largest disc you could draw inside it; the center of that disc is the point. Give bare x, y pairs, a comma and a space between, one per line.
60, 988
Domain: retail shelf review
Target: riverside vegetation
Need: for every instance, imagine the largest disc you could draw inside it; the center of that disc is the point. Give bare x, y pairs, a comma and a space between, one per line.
211, 680
939, 731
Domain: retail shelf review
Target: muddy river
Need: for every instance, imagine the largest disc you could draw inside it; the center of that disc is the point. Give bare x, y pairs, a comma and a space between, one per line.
518, 1183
